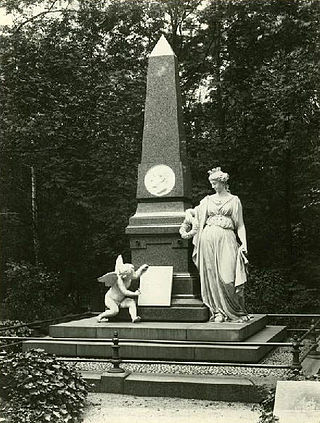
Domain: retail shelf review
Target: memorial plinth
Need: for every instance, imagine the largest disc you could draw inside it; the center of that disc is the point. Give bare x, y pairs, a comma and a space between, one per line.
164, 184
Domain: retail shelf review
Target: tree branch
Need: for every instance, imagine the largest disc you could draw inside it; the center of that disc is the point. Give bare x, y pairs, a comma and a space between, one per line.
45, 12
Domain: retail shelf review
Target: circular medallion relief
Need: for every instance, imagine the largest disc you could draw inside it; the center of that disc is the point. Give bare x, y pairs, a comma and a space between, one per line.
160, 180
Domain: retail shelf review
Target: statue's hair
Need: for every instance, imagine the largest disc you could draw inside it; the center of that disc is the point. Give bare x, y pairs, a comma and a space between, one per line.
216, 174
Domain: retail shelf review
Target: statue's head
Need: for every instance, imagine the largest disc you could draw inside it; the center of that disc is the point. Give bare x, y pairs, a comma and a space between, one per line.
218, 179
126, 270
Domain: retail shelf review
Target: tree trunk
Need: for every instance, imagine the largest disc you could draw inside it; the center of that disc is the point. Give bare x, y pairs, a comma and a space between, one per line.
34, 216
217, 45
288, 211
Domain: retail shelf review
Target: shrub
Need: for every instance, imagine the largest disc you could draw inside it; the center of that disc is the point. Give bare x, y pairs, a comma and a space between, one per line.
37, 388
267, 291
22, 331
33, 293
305, 300
267, 405
271, 291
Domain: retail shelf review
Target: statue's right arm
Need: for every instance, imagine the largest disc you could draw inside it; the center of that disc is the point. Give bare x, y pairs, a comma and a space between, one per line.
141, 270
189, 215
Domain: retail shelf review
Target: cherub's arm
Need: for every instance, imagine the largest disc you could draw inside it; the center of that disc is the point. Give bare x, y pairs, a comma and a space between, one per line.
139, 272
126, 291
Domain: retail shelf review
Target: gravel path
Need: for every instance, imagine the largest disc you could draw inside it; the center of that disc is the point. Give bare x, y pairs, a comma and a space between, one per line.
113, 408
124, 408
278, 356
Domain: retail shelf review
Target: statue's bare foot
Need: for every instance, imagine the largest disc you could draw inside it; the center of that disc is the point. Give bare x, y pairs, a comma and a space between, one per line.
243, 319
100, 320
136, 320
219, 318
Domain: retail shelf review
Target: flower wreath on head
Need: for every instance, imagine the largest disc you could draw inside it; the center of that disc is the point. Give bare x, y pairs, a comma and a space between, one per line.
189, 226
217, 174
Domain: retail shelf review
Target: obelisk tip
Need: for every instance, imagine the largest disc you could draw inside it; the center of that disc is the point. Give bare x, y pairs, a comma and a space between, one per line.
162, 48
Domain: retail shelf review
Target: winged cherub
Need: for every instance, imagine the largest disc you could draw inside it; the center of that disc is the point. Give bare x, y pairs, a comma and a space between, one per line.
119, 296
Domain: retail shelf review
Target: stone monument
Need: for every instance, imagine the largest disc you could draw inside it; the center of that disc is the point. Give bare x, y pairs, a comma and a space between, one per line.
297, 401
164, 191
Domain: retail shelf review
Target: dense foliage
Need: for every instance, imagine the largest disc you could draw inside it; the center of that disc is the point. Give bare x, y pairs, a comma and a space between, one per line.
269, 291
72, 98
34, 293
38, 388
8, 329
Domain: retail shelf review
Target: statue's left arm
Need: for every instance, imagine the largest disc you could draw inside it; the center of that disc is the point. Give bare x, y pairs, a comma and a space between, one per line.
241, 229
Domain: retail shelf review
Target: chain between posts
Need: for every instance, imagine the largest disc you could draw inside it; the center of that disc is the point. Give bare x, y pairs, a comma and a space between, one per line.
115, 360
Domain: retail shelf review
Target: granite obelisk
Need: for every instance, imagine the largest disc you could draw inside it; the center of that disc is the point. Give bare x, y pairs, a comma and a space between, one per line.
164, 189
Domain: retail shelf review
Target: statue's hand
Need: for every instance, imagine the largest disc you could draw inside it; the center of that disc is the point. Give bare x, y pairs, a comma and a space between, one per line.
243, 250
144, 267
190, 213
137, 292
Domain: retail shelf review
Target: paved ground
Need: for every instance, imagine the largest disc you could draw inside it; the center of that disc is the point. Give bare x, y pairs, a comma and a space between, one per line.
113, 408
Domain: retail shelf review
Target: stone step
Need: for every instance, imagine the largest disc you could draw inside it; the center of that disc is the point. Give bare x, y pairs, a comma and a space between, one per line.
192, 351
204, 387
90, 328
188, 312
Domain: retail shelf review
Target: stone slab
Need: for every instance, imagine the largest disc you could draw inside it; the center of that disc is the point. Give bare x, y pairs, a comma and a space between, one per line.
113, 382
206, 387
93, 379
186, 302
94, 349
226, 331
311, 365
154, 351
189, 386
242, 353
156, 330
160, 330
78, 330
174, 314
59, 348
173, 352
297, 401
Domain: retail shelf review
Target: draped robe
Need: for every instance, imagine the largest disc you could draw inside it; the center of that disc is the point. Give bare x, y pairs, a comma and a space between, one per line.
218, 258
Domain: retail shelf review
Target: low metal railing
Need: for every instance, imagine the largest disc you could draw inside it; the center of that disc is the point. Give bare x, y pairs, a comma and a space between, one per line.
37, 324
45, 322
295, 344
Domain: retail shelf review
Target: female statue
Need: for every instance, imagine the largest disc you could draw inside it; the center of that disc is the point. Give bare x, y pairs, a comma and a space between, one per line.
217, 255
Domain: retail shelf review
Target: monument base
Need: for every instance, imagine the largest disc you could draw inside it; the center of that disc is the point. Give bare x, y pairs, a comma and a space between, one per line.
197, 313
154, 239
182, 341
186, 305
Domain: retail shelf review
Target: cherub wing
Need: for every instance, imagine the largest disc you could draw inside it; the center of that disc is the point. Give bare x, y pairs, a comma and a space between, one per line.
109, 279
119, 264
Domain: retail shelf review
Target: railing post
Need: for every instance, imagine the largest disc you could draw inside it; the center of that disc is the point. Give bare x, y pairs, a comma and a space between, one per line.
296, 365
115, 355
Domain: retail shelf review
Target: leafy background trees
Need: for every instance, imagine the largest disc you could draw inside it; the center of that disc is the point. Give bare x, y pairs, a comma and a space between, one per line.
73, 78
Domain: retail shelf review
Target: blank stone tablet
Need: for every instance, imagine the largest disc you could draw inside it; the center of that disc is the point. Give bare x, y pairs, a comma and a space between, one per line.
156, 286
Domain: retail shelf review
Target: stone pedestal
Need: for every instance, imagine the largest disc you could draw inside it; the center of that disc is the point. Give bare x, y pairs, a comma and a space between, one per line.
164, 185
